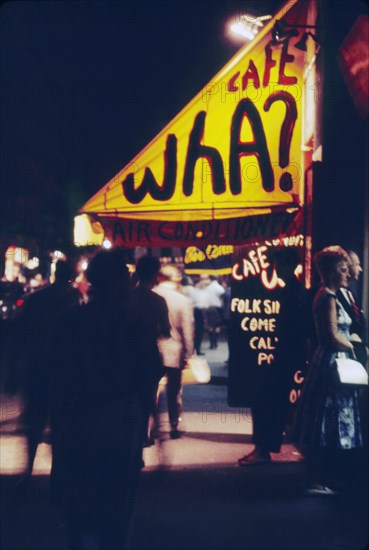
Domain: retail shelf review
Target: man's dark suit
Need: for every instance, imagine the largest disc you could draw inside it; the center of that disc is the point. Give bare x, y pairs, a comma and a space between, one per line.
347, 299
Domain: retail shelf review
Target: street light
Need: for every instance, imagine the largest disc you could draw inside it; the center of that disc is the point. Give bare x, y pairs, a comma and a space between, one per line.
283, 31
248, 26
301, 44
107, 244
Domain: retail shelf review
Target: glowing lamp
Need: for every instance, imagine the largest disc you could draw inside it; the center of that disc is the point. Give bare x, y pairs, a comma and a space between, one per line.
107, 244
243, 30
248, 26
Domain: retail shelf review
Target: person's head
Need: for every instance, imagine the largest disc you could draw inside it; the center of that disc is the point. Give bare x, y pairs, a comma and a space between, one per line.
332, 264
108, 273
354, 265
186, 281
170, 273
204, 280
147, 269
63, 272
286, 261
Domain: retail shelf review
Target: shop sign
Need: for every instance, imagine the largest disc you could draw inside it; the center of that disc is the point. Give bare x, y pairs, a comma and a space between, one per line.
256, 335
233, 151
212, 259
154, 233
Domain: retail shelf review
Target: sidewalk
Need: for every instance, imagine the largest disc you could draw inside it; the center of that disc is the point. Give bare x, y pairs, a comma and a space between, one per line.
217, 361
192, 496
206, 410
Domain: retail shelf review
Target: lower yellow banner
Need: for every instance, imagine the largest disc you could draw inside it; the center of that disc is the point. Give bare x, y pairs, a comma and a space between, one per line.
132, 233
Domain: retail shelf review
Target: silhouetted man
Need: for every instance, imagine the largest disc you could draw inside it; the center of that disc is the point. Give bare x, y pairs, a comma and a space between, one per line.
270, 408
41, 311
148, 321
97, 411
347, 298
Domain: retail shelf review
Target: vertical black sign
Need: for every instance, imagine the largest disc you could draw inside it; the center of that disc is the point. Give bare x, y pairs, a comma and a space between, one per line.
258, 337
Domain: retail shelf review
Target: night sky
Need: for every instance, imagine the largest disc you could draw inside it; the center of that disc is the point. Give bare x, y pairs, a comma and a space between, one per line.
85, 86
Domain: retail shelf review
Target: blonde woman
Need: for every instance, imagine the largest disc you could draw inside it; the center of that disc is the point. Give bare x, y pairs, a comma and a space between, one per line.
328, 420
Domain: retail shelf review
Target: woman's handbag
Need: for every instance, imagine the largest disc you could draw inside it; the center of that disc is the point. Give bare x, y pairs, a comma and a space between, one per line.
197, 371
351, 372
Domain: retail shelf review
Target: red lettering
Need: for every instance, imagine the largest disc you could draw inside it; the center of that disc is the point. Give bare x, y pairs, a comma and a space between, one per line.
285, 58
269, 64
251, 74
231, 83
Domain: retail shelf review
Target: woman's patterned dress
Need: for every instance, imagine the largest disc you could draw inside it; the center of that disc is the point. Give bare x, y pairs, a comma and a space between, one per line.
328, 413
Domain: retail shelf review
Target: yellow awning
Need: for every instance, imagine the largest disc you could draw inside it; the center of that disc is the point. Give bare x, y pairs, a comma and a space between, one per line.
233, 152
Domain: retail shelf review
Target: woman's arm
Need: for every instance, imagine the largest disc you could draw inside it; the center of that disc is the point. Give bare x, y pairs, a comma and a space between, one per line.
331, 327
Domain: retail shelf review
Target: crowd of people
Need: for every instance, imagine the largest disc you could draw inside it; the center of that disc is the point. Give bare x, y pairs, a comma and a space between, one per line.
94, 369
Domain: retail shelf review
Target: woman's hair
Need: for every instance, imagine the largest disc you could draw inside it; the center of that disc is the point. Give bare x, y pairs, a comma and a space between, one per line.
327, 259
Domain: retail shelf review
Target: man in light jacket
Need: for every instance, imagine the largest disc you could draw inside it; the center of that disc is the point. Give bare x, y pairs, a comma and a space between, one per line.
177, 349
